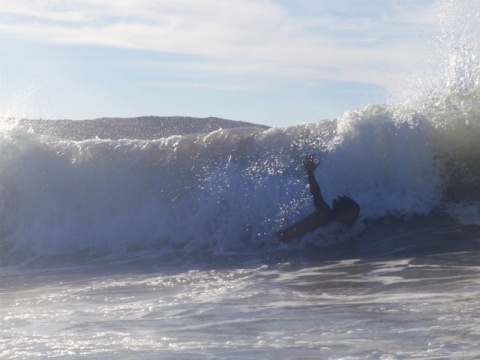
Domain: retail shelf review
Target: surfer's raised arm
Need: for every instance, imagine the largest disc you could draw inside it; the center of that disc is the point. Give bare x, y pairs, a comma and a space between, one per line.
344, 210
318, 200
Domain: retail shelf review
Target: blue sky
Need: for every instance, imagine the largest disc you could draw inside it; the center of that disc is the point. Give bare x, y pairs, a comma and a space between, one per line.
273, 62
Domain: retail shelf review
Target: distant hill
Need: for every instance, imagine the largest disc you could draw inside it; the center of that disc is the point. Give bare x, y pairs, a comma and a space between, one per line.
144, 128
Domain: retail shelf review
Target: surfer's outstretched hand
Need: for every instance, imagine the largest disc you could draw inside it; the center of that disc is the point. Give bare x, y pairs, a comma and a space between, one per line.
310, 164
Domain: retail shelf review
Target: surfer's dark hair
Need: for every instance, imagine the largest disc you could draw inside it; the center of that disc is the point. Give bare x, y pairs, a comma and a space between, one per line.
343, 203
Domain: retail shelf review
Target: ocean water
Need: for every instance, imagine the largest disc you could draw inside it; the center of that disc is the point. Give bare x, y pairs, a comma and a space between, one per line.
165, 248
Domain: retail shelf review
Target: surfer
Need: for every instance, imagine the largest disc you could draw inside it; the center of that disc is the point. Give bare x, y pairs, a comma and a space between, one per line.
344, 209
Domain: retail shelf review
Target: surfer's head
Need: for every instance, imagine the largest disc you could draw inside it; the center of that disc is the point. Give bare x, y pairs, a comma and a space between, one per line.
345, 210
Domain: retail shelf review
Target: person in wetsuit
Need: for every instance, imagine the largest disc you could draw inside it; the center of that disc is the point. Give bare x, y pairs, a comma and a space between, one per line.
344, 209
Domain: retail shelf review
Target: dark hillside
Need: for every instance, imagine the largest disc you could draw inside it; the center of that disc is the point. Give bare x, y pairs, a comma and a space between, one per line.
144, 128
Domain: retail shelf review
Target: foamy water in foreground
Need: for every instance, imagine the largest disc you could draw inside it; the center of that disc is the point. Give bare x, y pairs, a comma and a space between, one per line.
378, 296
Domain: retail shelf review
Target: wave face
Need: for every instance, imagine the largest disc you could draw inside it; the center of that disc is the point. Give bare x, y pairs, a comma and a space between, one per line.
229, 189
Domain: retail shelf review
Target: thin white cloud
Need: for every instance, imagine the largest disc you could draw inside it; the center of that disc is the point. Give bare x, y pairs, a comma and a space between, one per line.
222, 86
238, 37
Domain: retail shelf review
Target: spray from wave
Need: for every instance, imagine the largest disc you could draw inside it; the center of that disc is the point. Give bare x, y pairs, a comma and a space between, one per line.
227, 189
